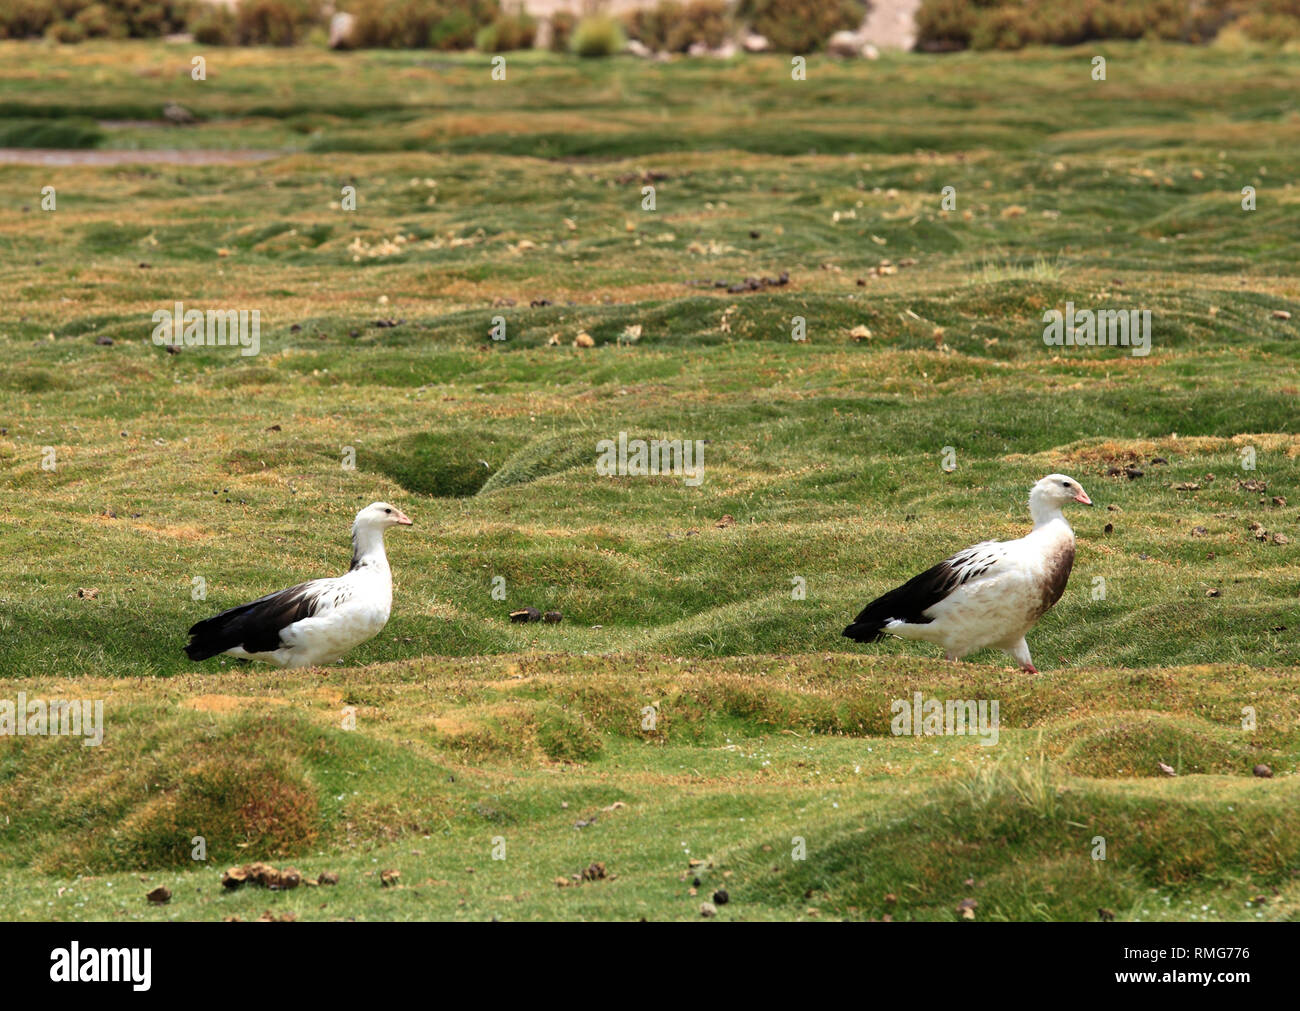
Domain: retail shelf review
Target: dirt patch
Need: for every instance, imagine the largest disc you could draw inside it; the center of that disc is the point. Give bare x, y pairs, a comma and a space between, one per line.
186, 533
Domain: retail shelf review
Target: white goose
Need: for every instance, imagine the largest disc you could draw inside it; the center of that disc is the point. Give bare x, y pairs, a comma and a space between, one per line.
990, 594
314, 622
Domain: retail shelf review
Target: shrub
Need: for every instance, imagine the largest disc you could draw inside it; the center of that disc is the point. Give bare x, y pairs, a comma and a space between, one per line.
65, 31
674, 27
421, 24
1010, 24
944, 24
215, 26
598, 36
73, 20
562, 24
275, 22
801, 26
97, 22
506, 33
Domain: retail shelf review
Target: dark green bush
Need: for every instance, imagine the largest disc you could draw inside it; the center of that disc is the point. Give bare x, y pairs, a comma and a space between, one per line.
598, 36
800, 26
507, 33
74, 20
674, 27
945, 24
97, 22
562, 25
1011, 24
215, 26
421, 24
65, 31
275, 22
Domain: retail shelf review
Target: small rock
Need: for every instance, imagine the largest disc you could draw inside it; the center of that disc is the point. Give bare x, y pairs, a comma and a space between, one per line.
1281, 314
327, 878
584, 340
389, 878
177, 114
162, 894
708, 909
341, 26
720, 897
845, 43
1263, 771
554, 617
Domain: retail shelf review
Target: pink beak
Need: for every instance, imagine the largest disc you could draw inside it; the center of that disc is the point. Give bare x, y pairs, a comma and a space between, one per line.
402, 519
1081, 497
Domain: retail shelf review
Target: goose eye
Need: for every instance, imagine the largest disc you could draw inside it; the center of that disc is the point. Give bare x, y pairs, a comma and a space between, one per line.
388, 510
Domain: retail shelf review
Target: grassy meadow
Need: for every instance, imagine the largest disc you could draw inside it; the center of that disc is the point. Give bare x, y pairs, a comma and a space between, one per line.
769, 769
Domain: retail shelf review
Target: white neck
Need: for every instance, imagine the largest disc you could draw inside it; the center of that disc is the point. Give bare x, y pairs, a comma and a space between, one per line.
368, 547
1043, 512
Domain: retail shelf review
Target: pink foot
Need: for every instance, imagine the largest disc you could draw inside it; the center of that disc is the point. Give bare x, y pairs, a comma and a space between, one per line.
1029, 668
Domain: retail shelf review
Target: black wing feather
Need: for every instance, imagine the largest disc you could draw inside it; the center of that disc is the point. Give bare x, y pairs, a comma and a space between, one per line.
255, 626
910, 601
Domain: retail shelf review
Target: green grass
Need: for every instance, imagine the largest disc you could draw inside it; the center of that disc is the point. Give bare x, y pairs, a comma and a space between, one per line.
477, 198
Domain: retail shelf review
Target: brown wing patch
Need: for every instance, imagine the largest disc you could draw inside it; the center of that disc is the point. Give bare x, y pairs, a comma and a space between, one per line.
1056, 574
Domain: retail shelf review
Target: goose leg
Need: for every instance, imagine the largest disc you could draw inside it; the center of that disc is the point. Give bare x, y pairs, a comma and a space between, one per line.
1019, 652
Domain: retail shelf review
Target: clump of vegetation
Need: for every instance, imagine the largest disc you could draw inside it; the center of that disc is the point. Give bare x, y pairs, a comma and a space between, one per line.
598, 36
674, 27
421, 24
75, 20
275, 22
215, 26
562, 25
1000, 24
800, 26
507, 33
60, 133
